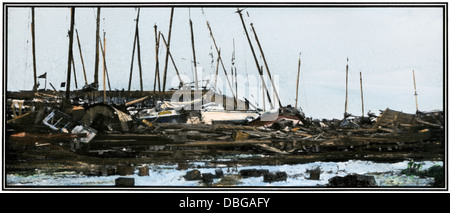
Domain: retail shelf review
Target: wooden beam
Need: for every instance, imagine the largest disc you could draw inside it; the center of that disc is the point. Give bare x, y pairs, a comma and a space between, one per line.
157, 38
217, 71
171, 58
167, 52
74, 73
70, 57
137, 101
81, 56
97, 40
139, 53
298, 77
362, 97
193, 52
222, 143
104, 69
33, 48
134, 49
346, 89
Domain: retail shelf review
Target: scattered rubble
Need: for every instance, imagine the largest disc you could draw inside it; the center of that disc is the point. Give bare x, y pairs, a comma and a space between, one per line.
275, 176
245, 173
193, 175
352, 180
119, 133
124, 182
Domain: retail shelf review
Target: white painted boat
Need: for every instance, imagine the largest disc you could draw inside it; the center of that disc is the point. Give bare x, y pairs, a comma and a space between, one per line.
214, 113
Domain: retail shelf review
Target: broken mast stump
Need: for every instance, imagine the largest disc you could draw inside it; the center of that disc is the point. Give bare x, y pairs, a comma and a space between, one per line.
415, 91
298, 77
362, 97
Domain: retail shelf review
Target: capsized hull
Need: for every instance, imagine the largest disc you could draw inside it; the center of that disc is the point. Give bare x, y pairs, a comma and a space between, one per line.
235, 117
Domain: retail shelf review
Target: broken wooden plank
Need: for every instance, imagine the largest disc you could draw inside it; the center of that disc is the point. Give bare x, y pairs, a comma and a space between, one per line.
137, 101
239, 135
271, 149
418, 120
221, 143
17, 118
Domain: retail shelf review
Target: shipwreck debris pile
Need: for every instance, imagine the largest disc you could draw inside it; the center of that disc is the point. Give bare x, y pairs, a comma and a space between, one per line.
118, 131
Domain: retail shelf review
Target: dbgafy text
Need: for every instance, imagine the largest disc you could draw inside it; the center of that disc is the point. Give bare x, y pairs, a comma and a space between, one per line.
245, 202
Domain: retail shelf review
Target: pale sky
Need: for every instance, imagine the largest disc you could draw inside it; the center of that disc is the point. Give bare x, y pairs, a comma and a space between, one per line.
383, 43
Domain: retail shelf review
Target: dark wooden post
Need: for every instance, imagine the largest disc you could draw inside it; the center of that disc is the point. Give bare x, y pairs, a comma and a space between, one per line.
346, 89
171, 58
104, 68
81, 56
33, 48
193, 52
139, 52
167, 53
74, 73
70, 55
362, 99
97, 40
157, 37
217, 71
298, 79
134, 49
104, 62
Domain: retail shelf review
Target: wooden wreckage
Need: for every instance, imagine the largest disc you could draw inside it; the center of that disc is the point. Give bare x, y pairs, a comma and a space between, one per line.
144, 125
104, 130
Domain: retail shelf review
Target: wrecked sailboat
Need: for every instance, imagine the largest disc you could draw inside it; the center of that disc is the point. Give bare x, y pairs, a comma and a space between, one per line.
215, 114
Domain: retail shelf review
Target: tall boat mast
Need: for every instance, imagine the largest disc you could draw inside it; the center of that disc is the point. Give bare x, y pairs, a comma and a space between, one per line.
104, 68
136, 43
346, 89
70, 57
81, 56
256, 59
171, 59
193, 52
33, 48
139, 53
362, 99
167, 52
298, 78
97, 40
103, 49
157, 38
74, 73
233, 57
217, 70
265, 64
221, 61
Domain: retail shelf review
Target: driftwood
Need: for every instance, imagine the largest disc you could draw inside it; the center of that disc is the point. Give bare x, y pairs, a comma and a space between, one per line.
137, 101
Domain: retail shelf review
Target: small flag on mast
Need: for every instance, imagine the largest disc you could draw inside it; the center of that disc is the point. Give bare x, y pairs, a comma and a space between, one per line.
43, 75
